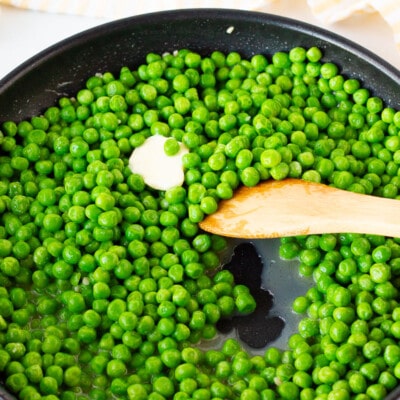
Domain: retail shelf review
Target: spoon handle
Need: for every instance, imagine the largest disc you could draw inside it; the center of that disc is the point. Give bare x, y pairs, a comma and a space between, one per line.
292, 207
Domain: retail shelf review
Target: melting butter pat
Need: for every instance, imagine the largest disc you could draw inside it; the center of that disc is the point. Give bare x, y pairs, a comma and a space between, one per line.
159, 171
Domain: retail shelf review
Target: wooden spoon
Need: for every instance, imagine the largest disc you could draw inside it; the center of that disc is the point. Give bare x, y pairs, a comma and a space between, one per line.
294, 207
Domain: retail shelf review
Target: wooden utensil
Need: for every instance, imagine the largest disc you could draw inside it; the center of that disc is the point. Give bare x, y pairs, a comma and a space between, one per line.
294, 207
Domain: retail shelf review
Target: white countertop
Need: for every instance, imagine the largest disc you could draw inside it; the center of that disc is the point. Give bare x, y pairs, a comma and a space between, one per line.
24, 33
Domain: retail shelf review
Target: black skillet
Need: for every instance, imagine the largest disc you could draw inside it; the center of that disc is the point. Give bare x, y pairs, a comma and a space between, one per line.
63, 68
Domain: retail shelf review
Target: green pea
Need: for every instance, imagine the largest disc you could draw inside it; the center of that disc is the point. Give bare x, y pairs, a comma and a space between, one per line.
116, 368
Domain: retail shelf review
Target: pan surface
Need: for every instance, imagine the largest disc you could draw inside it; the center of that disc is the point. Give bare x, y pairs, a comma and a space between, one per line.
62, 69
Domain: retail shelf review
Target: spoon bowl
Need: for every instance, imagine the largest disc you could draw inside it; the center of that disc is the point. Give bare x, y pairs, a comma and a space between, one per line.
294, 207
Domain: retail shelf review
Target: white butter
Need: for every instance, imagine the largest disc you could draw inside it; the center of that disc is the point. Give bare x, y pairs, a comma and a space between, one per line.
158, 170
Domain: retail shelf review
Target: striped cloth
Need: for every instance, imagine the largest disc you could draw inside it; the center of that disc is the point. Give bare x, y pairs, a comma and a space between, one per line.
330, 11
112, 9
327, 11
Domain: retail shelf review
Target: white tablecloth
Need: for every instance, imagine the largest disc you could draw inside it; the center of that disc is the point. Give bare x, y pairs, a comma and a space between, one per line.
23, 33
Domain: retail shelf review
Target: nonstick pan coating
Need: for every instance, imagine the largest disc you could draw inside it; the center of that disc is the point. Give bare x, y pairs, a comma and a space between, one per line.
63, 68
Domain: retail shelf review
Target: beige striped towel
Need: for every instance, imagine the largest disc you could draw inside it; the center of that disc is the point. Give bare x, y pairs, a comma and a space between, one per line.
123, 8
327, 11
331, 11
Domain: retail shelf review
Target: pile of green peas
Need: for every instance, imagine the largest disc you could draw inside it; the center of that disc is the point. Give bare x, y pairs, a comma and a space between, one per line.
107, 286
